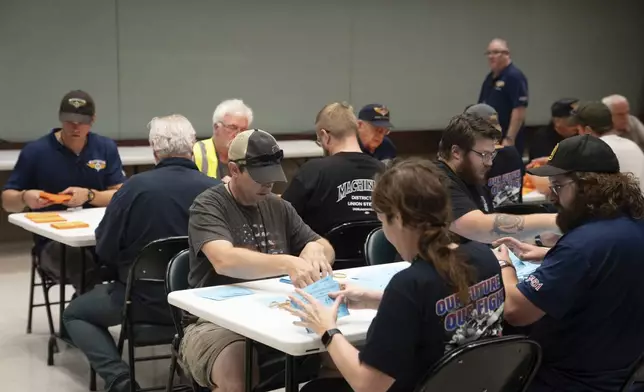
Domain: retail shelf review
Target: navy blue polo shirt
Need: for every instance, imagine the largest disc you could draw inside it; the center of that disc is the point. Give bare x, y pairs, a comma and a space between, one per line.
47, 165
590, 287
386, 150
504, 93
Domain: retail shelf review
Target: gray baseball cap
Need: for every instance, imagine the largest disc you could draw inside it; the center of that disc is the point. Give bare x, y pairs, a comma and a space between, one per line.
260, 154
485, 112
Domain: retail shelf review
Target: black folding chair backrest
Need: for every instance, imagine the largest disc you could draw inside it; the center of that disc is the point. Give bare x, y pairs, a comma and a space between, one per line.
177, 279
523, 209
637, 375
505, 364
348, 241
378, 250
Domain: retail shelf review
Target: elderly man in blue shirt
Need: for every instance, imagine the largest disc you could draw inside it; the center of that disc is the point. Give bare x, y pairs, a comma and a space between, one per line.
506, 89
70, 160
150, 206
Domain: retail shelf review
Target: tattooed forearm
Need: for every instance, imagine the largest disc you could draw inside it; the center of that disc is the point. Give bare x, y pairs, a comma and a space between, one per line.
505, 225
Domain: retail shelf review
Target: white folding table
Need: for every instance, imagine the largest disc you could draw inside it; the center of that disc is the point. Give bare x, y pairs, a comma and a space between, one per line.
75, 238
252, 317
142, 155
534, 197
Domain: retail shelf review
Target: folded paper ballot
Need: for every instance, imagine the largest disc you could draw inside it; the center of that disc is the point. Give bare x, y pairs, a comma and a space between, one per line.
220, 293
69, 225
320, 291
524, 268
378, 278
48, 219
55, 198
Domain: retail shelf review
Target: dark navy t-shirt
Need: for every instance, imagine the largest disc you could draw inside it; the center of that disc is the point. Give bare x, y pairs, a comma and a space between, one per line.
386, 150
505, 178
504, 93
590, 287
47, 165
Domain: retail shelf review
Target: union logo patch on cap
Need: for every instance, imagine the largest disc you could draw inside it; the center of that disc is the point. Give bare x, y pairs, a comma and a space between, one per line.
383, 111
77, 102
554, 151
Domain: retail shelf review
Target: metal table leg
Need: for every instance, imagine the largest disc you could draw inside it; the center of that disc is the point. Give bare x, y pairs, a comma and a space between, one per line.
249, 365
290, 383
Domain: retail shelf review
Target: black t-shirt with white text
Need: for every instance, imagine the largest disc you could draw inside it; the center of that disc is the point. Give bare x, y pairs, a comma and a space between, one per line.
333, 190
420, 318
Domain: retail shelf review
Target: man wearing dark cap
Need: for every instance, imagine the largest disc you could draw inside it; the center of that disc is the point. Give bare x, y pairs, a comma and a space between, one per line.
69, 160
505, 178
240, 231
373, 128
595, 119
546, 138
585, 303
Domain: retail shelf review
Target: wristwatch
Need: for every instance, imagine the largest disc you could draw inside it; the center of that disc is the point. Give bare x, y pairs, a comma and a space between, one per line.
90, 195
328, 336
506, 264
538, 241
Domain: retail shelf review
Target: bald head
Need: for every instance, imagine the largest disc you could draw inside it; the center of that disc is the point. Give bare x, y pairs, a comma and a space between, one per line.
498, 55
620, 109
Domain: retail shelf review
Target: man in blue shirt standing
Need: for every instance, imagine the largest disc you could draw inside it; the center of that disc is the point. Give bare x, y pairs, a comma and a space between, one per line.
585, 303
373, 128
69, 160
150, 206
506, 89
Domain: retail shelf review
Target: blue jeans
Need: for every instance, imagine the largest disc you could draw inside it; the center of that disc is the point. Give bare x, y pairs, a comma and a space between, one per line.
86, 321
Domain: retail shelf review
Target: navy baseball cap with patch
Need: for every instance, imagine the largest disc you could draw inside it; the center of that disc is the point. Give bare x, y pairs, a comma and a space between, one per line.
77, 106
581, 153
260, 154
376, 114
564, 107
486, 112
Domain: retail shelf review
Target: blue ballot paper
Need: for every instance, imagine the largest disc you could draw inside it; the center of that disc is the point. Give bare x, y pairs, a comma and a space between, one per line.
320, 290
524, 268
221, 293
378, 278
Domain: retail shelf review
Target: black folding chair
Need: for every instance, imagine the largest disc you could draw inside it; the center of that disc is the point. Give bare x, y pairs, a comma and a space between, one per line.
378, 250
505, 364
348, 241
46, 283
149, 268
637, 375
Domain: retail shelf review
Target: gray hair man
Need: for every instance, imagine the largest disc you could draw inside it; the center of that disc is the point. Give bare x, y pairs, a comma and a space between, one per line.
624, 122
131, 221
229, 119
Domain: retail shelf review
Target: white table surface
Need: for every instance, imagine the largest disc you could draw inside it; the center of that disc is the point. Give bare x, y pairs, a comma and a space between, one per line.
142, 155
71, 237
250, 315
534, 197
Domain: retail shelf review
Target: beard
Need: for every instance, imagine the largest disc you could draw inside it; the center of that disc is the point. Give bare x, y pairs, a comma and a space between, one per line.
470, 175
569, 218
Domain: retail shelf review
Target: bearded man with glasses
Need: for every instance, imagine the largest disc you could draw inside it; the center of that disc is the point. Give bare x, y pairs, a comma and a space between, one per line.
466, 154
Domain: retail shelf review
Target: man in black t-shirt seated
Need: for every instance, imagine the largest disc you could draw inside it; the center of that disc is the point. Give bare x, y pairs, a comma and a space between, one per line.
336, 189
546, 138
505, 178
466, 153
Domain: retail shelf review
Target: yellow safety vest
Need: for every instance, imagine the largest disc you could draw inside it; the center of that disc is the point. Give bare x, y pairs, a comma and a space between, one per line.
206, 157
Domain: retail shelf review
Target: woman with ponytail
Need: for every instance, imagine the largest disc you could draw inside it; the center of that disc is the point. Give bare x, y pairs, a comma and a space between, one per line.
450, 295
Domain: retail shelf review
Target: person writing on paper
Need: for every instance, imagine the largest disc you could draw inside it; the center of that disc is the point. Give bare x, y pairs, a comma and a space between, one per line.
240, 231
585, 303
131, 221
426, 310
211, 155
71, 160
466, 153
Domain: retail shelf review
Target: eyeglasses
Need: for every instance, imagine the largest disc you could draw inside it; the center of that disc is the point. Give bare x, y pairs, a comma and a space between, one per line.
495, 52
486, 156
232, 127
555, 188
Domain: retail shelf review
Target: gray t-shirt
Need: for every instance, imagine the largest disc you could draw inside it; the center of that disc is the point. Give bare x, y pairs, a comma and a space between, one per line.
272, 226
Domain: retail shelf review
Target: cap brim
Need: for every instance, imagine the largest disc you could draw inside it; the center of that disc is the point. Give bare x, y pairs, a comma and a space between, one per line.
547, 171
75, 117
382, 124
267, 174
